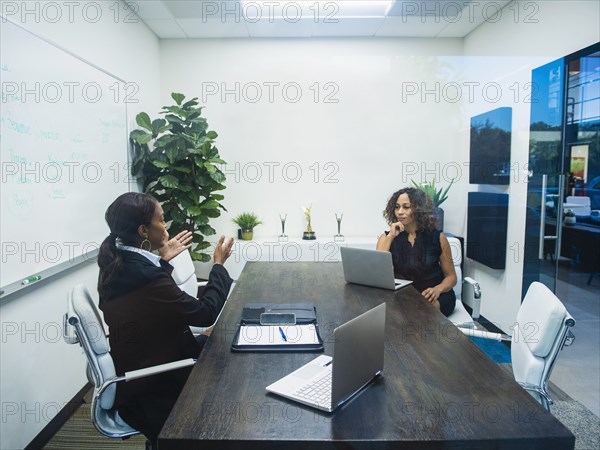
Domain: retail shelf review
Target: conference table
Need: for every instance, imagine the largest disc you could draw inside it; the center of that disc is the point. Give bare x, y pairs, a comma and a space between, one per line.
437, 389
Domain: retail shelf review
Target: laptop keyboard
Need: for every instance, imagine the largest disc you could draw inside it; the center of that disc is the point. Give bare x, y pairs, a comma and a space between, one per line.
317, 391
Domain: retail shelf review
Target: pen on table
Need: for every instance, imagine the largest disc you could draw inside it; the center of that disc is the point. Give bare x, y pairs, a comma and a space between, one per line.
282, 334
31, 279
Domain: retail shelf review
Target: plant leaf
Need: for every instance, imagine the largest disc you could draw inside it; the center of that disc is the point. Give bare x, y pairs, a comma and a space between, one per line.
209, 204
212, 134
177, 97
143, 120
219, 177
169, 181
195, 210
190, 103
160, 164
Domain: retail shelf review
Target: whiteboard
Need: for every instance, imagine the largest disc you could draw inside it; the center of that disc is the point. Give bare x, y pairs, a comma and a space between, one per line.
64, 156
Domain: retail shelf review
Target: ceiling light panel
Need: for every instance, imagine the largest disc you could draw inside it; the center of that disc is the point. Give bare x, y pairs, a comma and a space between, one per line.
315, 10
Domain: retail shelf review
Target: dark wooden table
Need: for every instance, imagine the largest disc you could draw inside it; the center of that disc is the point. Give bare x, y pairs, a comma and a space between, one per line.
438, 390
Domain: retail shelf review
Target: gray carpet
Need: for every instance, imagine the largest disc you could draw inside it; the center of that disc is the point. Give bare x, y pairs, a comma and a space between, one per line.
79, 432
584, 424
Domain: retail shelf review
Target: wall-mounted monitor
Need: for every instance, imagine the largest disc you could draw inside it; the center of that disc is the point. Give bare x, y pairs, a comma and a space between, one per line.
490, 147
486, 228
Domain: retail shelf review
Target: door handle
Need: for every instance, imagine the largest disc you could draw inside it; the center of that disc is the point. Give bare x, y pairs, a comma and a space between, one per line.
559, 214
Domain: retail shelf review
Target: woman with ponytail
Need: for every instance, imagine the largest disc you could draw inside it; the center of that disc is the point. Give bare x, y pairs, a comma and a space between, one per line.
147, 314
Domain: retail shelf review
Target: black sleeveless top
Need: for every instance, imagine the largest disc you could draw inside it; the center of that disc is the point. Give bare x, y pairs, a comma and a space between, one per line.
421, 263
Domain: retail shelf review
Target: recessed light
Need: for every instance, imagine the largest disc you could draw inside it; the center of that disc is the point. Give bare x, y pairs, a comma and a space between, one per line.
293, 11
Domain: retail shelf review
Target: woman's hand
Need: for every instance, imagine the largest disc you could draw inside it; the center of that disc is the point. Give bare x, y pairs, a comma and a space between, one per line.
223, 250
432, 294
384, 242
395, 229
175, 246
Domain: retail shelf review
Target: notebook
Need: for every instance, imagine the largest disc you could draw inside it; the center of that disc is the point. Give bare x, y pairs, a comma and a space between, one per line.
302, 335
325, 382
371, 268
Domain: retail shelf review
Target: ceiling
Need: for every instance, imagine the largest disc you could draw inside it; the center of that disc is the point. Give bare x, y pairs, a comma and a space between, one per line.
181, 19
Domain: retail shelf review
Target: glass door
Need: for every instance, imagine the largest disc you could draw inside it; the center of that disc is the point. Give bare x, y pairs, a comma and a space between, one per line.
564, 169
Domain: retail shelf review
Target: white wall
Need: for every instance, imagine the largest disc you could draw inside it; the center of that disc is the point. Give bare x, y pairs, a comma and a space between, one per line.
366, 145
403, 112
39, 372
528, 35
374, 138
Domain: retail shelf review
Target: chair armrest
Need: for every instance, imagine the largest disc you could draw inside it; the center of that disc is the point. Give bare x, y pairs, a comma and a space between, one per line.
485, 334
476, 287
146, 372
476, 296
154, 370
69, 335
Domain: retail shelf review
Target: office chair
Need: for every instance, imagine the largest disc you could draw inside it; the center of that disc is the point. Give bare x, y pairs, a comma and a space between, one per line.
460, 317
184, 274
581, 206
542, 330
89, 332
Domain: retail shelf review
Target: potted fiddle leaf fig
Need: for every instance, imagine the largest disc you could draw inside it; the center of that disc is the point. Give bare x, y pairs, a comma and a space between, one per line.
176, 161
247, 221
437, 197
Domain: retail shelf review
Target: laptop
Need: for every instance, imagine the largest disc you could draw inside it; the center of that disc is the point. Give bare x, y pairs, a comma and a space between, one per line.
371, 268
325, 382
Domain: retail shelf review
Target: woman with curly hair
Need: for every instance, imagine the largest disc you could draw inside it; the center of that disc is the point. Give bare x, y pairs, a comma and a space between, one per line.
420, 252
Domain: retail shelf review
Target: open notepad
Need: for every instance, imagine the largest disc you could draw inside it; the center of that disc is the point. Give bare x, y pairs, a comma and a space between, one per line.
251, 336
274, 335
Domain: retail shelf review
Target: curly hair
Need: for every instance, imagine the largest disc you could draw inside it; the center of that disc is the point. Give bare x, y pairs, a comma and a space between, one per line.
422, 208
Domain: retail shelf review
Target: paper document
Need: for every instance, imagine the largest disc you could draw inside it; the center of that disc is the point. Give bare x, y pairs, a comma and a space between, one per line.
277, 335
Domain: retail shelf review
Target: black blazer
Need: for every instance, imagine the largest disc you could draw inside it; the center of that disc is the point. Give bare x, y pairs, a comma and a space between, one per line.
148, 318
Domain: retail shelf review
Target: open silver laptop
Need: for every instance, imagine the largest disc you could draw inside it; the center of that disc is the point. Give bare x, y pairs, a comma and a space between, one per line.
371, 268
325, 383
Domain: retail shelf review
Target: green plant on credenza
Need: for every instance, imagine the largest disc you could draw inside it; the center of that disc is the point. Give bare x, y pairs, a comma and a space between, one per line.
247, 221
181, 169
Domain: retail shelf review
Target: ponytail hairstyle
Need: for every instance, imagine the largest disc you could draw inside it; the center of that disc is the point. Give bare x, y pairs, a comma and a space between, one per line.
422, 208
123, 216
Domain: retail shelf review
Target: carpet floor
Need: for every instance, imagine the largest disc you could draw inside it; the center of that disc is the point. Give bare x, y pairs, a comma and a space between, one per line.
79, 432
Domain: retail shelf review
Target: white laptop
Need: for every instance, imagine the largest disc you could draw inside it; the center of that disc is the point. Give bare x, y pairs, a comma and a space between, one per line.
325, 383
371, 268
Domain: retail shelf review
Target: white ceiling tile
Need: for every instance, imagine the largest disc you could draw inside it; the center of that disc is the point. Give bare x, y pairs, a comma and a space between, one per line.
281, 28
431, 8
208, 9
213, 28
410, 27
150, 9
225, 18
460, 28
165, 28
348, 27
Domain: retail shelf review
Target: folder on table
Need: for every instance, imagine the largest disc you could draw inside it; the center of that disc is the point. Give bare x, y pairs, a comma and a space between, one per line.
303, 336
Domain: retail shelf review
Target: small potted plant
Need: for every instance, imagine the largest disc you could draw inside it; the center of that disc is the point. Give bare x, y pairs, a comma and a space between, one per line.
570, 217
437, 197
247, 221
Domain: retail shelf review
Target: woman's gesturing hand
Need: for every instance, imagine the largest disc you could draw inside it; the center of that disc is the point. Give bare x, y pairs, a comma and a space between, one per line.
175, 246
223, 250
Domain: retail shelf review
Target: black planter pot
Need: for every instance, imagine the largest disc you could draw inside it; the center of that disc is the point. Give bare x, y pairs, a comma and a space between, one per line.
438, 215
